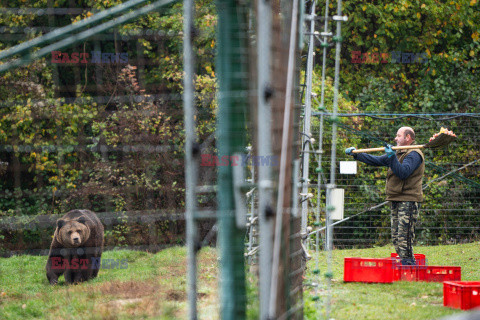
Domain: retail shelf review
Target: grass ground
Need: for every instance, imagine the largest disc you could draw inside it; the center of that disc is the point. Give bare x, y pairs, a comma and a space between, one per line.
399, 300
154, 287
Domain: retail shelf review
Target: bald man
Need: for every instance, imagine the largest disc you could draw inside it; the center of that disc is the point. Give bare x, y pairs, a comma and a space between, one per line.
404, 189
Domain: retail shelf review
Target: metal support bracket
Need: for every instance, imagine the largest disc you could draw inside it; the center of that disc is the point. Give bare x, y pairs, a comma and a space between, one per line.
239, 196
340, 18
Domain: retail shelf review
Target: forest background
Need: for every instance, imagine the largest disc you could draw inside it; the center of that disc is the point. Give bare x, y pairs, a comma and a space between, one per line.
109, 136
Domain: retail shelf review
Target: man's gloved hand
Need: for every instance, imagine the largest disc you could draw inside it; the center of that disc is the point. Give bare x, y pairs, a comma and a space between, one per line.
389, 151
349, 151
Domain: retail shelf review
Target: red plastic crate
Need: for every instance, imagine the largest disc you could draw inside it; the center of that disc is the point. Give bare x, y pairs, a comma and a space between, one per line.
419, 258
463, 295
379, 270
410, 273
443, 273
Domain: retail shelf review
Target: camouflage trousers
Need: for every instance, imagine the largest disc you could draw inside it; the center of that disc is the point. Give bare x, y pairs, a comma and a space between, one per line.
404, 218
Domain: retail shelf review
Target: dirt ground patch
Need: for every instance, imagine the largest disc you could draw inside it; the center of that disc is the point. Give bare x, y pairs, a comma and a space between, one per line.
139, 307
135, 298
176, 295
128, 289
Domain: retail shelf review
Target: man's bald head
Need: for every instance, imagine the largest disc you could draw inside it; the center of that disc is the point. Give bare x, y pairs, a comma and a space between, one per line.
405, 136
409, 131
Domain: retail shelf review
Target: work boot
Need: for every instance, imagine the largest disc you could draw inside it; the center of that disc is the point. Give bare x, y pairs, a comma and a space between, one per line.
408, 262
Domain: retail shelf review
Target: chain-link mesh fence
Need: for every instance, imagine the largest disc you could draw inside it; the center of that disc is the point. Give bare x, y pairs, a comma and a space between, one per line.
91, 117
450, 211
98, 124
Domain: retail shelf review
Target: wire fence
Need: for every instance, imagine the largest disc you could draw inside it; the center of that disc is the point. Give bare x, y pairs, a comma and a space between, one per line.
94, 126
95, 121
98, 124
450, 212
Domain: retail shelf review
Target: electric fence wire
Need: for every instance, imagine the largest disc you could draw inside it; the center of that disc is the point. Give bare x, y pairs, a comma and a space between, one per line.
370, 137
452, 172
397, 116
467, 189
385, 202
320, 175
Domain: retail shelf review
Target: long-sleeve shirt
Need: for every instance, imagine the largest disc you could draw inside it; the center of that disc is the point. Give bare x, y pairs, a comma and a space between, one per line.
402, 170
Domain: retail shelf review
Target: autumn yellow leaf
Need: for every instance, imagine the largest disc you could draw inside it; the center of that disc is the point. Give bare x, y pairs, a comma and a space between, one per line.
475, 36
419, 15
473, 2
472, 53
423, 5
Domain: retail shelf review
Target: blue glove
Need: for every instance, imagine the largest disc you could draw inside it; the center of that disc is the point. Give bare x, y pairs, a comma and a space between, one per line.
388, 150
349, 152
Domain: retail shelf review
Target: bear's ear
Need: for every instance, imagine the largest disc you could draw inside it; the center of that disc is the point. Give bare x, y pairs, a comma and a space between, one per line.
60, 223
82, 220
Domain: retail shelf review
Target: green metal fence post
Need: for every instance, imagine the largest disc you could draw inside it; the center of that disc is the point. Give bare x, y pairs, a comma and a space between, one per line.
191, 157
231, 66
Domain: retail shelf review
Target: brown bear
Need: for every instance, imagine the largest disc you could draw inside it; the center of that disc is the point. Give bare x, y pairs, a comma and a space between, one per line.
76, 247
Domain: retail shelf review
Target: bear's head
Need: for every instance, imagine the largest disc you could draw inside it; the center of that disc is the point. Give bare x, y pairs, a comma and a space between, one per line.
72, 233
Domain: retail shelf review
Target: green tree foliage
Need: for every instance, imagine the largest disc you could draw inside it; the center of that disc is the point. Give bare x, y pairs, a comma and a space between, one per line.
107, 136
445, 33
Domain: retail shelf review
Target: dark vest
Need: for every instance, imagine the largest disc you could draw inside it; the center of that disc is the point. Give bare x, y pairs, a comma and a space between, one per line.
409, 189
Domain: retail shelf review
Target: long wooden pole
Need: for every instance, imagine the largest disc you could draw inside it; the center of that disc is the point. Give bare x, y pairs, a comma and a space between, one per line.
417, 146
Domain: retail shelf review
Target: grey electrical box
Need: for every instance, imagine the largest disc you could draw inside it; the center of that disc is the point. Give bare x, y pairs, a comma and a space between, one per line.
337, 201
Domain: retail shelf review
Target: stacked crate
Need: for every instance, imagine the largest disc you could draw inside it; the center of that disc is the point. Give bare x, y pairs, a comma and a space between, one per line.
387, 270
457, 294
